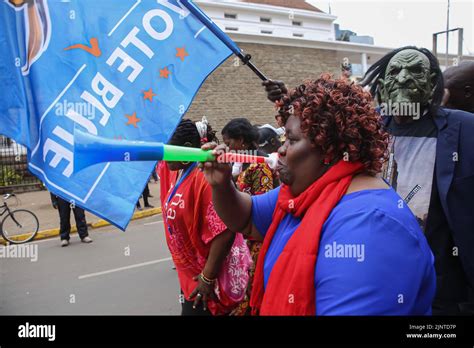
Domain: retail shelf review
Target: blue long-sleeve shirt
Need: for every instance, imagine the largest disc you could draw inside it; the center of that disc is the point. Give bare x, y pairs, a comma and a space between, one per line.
373, 257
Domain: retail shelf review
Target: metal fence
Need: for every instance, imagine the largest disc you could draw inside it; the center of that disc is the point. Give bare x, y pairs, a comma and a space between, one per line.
14, 172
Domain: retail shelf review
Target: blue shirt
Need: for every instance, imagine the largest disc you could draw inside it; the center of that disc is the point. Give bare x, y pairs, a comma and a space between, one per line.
373, 257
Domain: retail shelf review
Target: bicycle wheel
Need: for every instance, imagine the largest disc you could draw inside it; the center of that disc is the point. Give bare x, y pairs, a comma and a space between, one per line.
20, 226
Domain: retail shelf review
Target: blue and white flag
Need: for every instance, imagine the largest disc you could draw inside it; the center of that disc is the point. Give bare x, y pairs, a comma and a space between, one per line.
125, 69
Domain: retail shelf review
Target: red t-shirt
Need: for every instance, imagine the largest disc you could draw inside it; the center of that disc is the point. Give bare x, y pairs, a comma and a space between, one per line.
191, 223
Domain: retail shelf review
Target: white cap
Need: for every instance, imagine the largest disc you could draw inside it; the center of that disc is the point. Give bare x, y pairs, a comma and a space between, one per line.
236, 169
202, 127
279, 131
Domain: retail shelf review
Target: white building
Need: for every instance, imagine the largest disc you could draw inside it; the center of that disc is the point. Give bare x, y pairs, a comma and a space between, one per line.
293, 23
277, 18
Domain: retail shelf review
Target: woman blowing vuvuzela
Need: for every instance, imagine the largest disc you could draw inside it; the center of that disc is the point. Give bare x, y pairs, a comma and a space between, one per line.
337, 240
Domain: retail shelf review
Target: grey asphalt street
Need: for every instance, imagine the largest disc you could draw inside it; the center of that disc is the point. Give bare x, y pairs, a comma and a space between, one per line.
118, 274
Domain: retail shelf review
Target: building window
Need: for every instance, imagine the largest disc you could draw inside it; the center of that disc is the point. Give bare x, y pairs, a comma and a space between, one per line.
297, 23
268, 32
230, 15
298, 35
265, 19
231, 28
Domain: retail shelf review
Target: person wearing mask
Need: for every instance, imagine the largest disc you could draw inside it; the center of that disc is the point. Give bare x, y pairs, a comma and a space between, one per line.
431, 163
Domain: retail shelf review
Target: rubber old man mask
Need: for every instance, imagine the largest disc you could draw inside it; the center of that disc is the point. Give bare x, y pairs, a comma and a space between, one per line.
407, 87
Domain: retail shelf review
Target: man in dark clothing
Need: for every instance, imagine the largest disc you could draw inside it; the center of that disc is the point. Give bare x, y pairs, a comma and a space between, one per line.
64, 208
146, 194
431, 165
434, 153
459, 84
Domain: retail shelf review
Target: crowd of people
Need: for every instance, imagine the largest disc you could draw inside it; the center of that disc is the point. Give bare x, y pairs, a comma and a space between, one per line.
368, 212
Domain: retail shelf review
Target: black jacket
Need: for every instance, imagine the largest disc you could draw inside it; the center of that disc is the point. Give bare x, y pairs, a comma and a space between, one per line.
454, 180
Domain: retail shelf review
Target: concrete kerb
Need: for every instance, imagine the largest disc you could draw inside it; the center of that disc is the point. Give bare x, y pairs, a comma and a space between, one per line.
101, 223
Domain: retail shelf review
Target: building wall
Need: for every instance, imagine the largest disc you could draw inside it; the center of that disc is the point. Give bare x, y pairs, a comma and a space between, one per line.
235, 91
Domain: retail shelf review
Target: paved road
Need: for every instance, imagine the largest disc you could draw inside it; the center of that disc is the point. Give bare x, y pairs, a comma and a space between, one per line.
120, 273
39, 202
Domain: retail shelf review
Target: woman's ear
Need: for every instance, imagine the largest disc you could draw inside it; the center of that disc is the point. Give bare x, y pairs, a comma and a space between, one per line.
468, 91
315, 147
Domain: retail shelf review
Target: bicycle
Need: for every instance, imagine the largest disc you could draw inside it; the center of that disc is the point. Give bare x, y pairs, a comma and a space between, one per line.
18, 226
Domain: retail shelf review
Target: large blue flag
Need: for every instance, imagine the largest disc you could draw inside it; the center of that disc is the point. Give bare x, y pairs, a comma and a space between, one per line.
126, 69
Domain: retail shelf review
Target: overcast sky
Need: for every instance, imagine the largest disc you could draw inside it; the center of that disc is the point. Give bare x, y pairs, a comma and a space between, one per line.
396, 23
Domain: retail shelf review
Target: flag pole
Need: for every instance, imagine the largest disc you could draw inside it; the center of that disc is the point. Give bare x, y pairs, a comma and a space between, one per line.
245, 58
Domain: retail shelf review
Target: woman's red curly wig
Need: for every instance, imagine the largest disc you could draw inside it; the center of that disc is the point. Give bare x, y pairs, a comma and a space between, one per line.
340, 119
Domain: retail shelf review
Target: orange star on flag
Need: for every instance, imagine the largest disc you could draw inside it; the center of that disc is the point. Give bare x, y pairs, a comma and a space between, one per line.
148, 95
164, 73
181, 53
133, 119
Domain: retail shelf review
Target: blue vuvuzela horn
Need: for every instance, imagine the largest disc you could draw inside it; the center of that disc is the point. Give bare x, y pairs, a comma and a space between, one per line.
90, 149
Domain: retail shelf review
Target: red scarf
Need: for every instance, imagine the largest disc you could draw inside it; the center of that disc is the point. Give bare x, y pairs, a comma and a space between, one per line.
290, 287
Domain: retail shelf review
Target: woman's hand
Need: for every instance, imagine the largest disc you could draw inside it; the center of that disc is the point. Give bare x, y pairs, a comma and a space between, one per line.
203, 293
216, 173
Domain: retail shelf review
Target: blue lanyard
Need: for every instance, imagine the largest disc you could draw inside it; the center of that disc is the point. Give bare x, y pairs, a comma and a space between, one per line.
175, 188
180, 181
